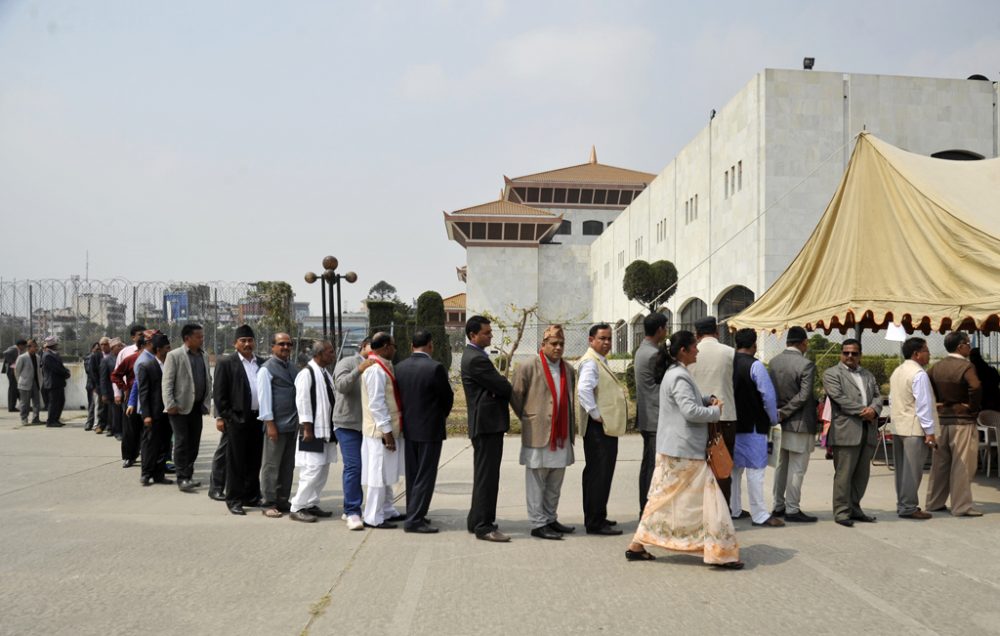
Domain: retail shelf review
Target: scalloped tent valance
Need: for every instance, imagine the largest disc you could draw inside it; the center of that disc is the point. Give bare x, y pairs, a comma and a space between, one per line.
907, 239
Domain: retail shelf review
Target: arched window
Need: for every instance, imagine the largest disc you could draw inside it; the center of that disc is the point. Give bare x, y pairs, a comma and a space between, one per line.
566, 227
694, 310
638, 330
958, 155
620, 337
593, 228
731, 303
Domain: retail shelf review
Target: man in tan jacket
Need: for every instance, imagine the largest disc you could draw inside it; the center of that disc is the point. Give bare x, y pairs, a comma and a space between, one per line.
959, 394
543, 399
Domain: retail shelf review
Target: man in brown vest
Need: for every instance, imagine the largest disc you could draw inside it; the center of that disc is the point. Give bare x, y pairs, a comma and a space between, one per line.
959, 393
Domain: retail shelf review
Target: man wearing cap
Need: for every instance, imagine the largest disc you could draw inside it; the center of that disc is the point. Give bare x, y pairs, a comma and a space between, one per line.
713, 373
187, 394
316, 448
793, 375
237, 408
542, 397
10, 356
110, 415
156, 423
427, 399
602, 412
28, 371
276, 394
647, 394
54, 374
347, 429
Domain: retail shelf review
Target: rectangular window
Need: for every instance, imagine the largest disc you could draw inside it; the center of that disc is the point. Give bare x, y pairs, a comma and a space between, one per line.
740, 174
626, 197
494, 231
687, 212
725, 180
546, 195
612, 197
560, 195
572, 196
532, 195
696, 206
600, 196
586, 196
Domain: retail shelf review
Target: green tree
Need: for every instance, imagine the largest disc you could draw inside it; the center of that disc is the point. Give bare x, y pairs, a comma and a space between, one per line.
383, 291
381, 315
652, 284
275, 298
431, 316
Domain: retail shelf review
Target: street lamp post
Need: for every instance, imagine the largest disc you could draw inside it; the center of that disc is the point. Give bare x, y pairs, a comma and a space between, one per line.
330, 278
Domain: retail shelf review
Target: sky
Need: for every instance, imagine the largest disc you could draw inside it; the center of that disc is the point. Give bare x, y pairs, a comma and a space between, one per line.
242, 141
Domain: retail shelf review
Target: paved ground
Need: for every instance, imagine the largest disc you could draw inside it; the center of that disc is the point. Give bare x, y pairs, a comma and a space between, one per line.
86, 550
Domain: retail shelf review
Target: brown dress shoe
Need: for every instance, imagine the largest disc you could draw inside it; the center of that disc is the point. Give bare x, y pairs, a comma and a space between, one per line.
495, 536
918, 514
773, 522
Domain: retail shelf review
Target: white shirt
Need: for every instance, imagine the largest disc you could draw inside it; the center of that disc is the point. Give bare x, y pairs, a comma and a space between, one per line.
924, 395
556, 377
251, 368
374, 378
586, 385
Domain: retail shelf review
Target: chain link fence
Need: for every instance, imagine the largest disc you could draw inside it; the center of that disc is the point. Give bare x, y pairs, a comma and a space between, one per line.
78, 311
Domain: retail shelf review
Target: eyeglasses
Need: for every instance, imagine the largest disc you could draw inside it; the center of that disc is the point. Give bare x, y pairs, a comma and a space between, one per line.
851, 354
282, 344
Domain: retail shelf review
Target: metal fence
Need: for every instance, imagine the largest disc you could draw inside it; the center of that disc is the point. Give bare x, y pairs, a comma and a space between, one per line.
79, 311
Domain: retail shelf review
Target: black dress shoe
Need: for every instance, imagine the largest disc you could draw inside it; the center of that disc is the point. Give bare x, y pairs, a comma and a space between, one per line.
558, 527
800, 517
185, 485
195, 483
606, 531
847, 523
546, 533
253, 503
128, 463
316, 511
611, 522
162, 480
742, 515
385, 525
217, 495
54, 424
778, 512
422, 529
236, 508
146, 481
397, 518
863, 518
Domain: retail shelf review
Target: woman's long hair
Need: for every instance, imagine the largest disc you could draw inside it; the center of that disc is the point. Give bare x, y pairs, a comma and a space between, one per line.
668, 351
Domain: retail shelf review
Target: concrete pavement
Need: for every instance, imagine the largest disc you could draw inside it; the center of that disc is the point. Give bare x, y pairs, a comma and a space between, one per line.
86, 550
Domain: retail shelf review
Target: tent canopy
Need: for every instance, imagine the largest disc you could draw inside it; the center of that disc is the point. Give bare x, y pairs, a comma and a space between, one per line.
907, 239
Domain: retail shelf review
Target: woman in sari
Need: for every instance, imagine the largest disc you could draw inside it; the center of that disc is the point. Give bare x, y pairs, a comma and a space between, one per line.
685, 510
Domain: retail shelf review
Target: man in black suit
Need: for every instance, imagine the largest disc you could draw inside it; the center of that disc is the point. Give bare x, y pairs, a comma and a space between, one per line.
156, 430
55, 375
9, 358
427, 399
236, 410
487, 396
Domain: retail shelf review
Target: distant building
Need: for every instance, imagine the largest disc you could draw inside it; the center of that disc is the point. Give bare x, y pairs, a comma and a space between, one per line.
454, 311
101, 309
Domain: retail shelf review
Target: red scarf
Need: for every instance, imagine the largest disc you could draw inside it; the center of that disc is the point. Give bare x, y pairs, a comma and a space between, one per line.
395, 387
560, 411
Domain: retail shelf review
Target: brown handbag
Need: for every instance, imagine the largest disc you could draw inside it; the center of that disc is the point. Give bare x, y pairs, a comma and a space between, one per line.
718, 457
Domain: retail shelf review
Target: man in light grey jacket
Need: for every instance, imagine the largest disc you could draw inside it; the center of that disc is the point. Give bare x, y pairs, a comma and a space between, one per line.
793, 374
187, 394
347, 428
647, 393
28, 372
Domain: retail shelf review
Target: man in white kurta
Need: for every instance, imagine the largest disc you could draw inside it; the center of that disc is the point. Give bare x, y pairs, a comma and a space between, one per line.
314, 451
382, 462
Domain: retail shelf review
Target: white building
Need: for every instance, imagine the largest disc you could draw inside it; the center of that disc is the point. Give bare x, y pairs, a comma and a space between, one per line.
736, 204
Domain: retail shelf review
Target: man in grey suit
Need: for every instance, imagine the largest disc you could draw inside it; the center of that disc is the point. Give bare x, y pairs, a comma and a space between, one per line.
793, 374
855, 404
187, 394
28, 371
647, 393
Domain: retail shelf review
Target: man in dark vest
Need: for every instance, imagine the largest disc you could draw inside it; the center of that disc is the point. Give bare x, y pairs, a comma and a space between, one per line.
756, 413
276, 393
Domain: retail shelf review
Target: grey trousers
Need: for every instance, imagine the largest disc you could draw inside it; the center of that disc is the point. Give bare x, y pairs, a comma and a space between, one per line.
34, 396
276, 468
852, 467
542, 489
909, 453
788, 475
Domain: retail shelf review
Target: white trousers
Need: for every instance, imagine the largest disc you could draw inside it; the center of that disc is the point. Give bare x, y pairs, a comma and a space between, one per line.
312, 481
755, 492
378, 505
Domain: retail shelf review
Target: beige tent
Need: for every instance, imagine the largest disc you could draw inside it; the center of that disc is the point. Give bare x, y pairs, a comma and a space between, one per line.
906, 239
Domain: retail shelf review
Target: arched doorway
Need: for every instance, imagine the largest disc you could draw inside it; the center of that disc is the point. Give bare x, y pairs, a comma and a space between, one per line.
732, 302
692, 311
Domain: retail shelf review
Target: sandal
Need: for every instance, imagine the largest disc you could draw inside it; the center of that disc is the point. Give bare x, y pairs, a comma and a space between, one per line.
638, 555
272, 513
732, 565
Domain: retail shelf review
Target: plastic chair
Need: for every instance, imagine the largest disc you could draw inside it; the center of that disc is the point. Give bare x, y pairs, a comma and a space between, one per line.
883, 437
988, 426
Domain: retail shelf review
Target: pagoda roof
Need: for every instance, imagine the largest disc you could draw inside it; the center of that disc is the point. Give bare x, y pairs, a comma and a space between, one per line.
503, 208
591, 173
